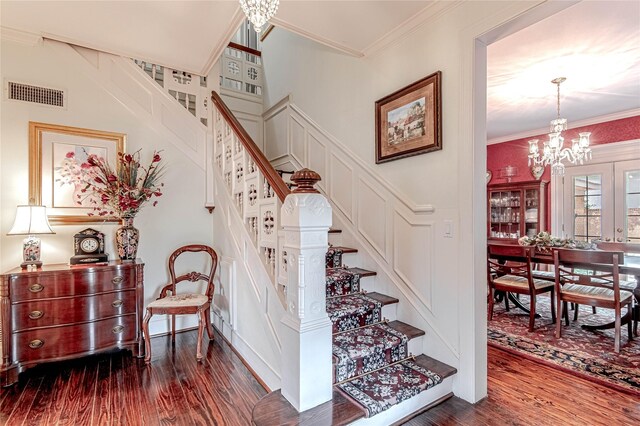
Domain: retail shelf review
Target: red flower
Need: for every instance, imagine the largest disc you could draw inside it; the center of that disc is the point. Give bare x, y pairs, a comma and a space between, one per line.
98, 179
128, 158
112, 178
156, 158
70, 154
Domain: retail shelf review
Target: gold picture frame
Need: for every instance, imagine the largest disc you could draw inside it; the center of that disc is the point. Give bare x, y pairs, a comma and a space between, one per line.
409, 121
49, 184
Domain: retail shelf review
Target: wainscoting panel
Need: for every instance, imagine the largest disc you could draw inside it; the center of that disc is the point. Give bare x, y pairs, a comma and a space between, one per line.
297, 139
372, 218
317, 158
224, 297
413, 255
341, 183
275, 131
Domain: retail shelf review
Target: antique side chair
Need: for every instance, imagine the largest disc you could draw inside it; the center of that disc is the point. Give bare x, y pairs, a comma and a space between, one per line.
184, 303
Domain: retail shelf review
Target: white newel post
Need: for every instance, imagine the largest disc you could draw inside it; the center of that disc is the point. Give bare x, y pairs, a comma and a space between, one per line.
306, 342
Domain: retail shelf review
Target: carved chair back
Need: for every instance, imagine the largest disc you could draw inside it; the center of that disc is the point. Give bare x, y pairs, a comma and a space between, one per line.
191, 276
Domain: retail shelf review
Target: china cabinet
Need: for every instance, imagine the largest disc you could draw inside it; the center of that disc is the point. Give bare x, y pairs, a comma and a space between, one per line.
516, 209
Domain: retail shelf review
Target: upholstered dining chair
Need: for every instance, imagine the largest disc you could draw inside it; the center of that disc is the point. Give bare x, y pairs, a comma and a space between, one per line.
577, 282
184, 303
509, 270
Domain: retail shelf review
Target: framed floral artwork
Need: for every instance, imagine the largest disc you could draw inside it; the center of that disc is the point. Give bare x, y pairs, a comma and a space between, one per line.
56, 155
409, 121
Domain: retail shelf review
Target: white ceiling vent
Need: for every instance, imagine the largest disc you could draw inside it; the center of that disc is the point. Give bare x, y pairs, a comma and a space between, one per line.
36, 94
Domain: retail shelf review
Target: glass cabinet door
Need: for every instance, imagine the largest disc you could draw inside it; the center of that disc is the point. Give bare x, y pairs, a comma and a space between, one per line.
504, 214
531, 212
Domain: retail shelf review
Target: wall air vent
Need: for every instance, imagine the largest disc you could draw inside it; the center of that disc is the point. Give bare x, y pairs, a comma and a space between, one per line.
35, 94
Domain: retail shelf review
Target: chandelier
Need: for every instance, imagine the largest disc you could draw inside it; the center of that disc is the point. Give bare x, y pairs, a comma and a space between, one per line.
553, 151
259, 11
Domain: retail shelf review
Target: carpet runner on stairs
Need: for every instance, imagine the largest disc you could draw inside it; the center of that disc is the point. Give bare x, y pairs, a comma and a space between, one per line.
371, 359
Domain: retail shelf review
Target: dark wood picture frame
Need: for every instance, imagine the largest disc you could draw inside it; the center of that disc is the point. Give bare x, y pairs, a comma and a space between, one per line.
409, 121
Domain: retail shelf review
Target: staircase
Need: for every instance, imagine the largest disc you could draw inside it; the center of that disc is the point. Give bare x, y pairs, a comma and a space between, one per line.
377, 379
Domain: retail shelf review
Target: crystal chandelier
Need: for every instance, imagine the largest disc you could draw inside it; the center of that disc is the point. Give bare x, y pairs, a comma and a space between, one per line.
553, 151
259, 11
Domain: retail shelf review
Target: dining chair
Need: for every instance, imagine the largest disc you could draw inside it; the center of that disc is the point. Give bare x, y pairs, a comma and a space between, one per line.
626, 284
509, 270
184, 303
578, 282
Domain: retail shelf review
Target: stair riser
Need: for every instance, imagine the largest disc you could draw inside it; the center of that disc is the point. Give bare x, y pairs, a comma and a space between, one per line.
410, 406
415, 345
390, 311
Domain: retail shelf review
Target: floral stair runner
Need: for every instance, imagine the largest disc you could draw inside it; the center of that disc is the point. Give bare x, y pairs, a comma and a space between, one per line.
370, 357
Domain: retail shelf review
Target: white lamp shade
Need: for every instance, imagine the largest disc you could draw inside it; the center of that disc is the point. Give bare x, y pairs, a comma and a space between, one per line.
31, 220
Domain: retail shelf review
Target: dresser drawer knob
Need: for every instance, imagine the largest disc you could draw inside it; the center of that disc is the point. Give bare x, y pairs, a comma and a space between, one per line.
34, 315
36, 343
117, 329
36, 288
116, 303
117, 280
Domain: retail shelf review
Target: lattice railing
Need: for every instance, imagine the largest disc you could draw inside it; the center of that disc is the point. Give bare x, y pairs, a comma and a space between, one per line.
255, 187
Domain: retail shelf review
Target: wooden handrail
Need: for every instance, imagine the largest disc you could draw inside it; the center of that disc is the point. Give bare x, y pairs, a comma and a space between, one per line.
274, 179
244, 48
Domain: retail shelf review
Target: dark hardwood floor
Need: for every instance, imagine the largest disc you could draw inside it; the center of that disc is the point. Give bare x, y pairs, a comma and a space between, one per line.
119, 389
523, 392
175, 389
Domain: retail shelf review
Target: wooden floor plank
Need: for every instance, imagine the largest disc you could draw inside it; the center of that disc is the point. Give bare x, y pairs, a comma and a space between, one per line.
101, 414
21, 410
523, 392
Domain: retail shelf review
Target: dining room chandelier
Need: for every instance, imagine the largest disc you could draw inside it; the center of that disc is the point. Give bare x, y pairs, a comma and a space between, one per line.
553, 150
259, 11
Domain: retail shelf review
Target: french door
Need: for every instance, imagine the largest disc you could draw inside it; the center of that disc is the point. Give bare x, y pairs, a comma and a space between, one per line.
602, 202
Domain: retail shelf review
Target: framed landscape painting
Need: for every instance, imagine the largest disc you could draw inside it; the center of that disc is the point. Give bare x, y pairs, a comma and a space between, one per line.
409, 121
56, 154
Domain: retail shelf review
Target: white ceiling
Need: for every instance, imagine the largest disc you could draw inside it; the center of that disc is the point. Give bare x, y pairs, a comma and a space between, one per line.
595, 44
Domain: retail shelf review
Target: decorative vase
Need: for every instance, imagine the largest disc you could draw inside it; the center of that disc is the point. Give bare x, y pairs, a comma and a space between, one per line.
127, 237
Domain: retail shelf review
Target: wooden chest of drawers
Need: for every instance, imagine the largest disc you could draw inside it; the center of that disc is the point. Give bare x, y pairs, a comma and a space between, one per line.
62, 312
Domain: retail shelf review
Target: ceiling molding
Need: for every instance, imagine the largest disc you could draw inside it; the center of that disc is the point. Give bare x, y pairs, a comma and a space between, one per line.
573, 125
18, 36
235, 22
429, 13
116, 52
330, 43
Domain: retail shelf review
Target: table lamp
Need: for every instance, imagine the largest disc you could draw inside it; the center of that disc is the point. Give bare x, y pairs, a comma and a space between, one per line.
31, 221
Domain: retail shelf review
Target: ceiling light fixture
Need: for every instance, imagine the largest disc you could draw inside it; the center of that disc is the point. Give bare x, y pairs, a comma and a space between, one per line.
553, 152
259, 11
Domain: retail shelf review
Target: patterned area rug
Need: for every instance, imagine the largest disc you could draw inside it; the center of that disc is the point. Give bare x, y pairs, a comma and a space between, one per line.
586, 353
380, 390
366, 349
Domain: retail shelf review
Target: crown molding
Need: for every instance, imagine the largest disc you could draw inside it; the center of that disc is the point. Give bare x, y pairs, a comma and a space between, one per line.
409, 26
573, 125
10, 34
330, 43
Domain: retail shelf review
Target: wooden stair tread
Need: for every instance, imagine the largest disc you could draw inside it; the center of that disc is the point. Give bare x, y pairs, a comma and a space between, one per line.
345, 249
409, 330
362, 272
335, 231
440, 368
382, 298
274, 409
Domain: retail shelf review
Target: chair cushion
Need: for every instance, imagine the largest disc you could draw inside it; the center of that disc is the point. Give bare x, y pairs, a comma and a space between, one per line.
544, 275
180, 300
594, 292
521, 282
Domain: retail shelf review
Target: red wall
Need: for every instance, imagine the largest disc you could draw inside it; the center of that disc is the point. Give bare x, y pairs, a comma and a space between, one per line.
514, 153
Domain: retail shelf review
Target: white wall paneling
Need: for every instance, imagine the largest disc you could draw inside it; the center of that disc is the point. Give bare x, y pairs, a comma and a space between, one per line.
297, 140
275, 131
340, 178
372, 215
318, 159
413, 246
